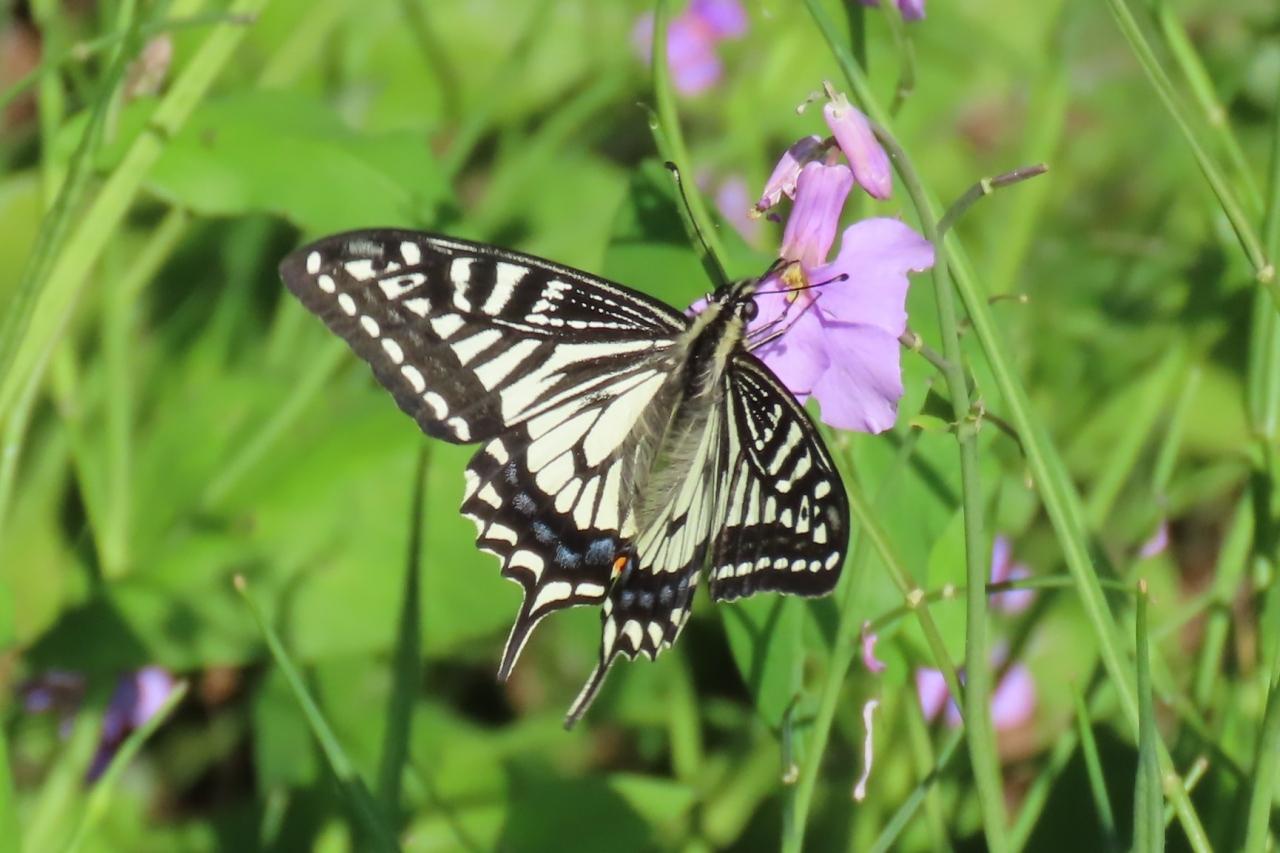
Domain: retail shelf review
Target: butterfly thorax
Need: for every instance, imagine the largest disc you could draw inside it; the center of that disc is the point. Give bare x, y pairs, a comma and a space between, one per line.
675, 425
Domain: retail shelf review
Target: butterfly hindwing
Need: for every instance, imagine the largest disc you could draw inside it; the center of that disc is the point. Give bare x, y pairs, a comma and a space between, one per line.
785, 513
455, 330
551, 498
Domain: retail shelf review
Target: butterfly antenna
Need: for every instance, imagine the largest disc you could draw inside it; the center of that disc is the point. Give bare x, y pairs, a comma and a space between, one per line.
707, 254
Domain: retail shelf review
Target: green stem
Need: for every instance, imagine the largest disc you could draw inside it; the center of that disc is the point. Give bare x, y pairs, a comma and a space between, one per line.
1093, 771
406, 664
1266, 771
1231, 206
363, 808
1148, 804
53, 229
1061, 501
1214, 113
59, 271
889, 835
979, 731
9, 832
665, 104
871, 536
99, 801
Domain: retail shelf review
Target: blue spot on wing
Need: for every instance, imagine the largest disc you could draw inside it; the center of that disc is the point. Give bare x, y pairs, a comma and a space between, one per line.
544, 534
600, 552
568, 559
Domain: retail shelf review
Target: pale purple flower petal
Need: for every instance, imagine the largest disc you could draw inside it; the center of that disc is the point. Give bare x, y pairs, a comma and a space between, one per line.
931, 688
691, 52
725, 18
1157, 543
862, 385
853, 134
869, 659
799, 357
811, 228
1013, 702
153, 685
875, 256
1005, 568
783, 180
912, 10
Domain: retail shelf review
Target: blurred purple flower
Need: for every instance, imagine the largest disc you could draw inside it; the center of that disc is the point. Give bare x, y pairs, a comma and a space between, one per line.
841, 343
692, 37
1013, 702
1004, 568
725, 18
852, 130
869, 660
911, 10
1157, 543
787, 172
137, 697
733, 200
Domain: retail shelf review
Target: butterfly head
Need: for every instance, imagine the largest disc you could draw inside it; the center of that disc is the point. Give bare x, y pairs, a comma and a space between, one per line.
738, 299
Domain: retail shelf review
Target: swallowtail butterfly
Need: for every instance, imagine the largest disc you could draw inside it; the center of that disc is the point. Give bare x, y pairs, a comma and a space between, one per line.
626, 449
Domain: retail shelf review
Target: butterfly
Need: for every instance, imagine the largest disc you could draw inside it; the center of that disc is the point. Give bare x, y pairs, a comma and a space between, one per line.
627, 449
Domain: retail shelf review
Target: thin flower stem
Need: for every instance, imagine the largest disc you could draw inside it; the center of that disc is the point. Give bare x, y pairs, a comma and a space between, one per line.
406, 663
982, 189
913, 342
950, 592
1240, 222
708, 239
1093, 770
979, 731
84, 50
1058, 493
1215, 114
871, 536
1266, 771
889, 835
9, 830
1148, 803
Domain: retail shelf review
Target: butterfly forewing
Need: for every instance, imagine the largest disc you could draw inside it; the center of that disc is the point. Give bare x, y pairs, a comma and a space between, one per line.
457, 331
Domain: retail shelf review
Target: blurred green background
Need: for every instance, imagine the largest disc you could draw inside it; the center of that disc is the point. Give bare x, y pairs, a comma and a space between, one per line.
172, 420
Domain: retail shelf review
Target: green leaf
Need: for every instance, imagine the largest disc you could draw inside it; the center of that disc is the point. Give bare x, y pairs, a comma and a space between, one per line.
765, 638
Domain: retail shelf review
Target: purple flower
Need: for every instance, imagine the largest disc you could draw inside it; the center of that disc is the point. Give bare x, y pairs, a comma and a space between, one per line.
873, 664
1013, 702
852, 130
841, 342
725, 18
137, 697
692, 37
820, 194
733, 200
911, 10
1157, 543
787, 172
1004, 568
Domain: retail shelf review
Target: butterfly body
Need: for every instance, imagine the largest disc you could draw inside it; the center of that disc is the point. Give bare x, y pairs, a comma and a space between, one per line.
626, 448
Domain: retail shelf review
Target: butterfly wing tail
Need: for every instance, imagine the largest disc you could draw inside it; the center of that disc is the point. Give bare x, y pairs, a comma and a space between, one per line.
588, 692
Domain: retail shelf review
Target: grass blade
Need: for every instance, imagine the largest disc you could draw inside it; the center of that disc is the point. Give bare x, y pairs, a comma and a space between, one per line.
1148, 802
364, 810
1093, 769
100, 796
407, 660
